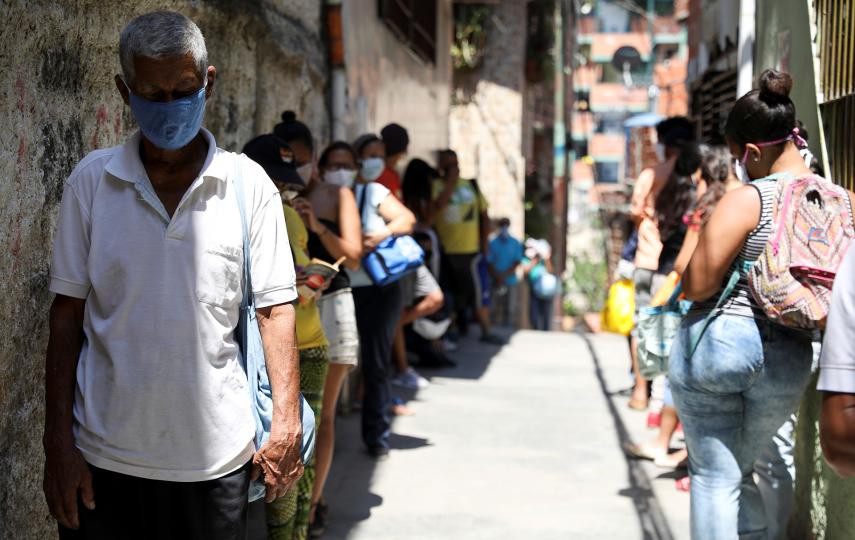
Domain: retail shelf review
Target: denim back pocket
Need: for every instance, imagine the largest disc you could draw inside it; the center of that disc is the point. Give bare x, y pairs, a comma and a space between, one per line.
729, 356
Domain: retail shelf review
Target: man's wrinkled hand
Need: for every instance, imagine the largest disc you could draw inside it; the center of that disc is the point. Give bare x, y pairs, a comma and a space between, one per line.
66, 476
279, 462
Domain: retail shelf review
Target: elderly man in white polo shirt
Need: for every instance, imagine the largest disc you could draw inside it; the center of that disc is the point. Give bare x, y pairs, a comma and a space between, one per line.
149, 431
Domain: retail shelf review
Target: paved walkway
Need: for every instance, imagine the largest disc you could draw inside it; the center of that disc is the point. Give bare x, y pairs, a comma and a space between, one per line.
521, 442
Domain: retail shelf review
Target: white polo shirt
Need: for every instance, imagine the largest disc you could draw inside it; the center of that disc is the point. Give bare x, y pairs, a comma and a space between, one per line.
837, 362
160, 392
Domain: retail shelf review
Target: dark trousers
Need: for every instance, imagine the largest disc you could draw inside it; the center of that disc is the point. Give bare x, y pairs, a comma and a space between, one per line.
424, 349
378, 310
540, 312
132, 508
459, 276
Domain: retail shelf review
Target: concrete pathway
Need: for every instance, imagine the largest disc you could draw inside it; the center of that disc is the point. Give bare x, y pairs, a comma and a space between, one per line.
518, 442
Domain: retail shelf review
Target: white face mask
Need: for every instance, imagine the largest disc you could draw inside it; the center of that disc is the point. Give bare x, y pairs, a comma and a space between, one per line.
305, 172
372, 168
741, 171
660, 152
341, 177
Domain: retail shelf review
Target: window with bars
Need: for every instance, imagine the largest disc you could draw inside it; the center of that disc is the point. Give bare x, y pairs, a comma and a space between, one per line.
836, 46
713, 95
414, 23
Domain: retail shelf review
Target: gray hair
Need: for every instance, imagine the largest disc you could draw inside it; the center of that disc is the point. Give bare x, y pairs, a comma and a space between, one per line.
161, 34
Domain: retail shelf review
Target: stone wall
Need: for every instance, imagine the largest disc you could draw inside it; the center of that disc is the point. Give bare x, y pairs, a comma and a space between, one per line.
58, 102
487, 119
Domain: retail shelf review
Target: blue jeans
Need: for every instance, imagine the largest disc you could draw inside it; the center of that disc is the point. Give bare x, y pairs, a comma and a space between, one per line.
744, 380
539, 313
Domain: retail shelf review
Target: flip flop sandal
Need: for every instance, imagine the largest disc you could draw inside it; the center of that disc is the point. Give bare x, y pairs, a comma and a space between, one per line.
639, 451
668, 462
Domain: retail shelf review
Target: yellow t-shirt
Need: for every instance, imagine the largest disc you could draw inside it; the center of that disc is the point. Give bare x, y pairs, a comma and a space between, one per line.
458, 224
310, 333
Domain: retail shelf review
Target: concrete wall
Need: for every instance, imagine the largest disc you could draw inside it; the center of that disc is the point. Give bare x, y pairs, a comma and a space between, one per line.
58, 101
386, 82
487, 120
823, 505
783, 41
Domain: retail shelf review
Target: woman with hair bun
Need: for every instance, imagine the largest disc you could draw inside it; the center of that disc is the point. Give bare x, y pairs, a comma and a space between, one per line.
746, 374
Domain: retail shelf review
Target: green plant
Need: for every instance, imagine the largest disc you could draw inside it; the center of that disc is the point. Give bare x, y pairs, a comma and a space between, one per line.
570, 308
470, 35
589, 281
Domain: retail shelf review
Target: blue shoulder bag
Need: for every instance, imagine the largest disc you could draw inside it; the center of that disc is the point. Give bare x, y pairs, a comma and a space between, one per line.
248, 338
394, 257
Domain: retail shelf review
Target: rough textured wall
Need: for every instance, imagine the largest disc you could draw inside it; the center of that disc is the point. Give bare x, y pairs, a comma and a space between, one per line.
57, 102
388, 83
487, 120
823, 500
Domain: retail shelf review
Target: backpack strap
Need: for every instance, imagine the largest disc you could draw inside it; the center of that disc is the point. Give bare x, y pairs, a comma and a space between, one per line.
237, 182
742, 267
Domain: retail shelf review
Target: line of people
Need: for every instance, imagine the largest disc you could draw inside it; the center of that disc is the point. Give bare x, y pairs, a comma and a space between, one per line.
752, 235
340, 208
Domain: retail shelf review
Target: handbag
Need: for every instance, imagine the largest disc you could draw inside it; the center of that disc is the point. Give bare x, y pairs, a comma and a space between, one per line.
657, 327
248, 338
393, 258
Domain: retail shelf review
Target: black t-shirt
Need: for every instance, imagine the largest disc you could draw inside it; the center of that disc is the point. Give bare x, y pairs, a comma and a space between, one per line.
671, 248
317, 250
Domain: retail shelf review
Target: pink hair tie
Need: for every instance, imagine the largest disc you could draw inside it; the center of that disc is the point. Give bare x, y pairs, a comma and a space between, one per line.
798, 139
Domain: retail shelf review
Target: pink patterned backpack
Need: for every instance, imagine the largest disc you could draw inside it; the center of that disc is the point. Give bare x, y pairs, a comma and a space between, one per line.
812, 226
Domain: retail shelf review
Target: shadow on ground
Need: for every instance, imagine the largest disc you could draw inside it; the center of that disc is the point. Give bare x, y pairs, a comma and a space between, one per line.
651, 517
348, 492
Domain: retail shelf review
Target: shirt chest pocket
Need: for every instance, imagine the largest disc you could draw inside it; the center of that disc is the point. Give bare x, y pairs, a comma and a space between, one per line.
218, 278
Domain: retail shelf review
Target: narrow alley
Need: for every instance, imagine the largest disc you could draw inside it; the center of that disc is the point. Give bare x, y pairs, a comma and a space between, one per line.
518, 442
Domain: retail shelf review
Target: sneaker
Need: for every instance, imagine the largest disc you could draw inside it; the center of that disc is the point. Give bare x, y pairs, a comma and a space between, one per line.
378, 452
410, 380
319, 525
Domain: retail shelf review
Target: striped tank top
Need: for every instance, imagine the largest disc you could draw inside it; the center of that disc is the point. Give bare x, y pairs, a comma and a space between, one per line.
741, 302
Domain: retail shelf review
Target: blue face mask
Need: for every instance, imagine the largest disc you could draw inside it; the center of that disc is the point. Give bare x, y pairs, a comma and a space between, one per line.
171, 125
372, 168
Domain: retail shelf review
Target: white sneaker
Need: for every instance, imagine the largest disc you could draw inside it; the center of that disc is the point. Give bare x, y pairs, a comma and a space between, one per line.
410, 380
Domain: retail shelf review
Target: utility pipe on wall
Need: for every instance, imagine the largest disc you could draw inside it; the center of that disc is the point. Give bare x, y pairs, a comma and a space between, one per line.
338, 75
745, 53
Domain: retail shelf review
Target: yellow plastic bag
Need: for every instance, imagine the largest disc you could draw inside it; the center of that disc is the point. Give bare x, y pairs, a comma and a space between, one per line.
618, 313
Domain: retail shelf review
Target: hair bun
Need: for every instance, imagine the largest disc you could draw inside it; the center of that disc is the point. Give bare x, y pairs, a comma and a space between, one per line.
289, 117
775, 84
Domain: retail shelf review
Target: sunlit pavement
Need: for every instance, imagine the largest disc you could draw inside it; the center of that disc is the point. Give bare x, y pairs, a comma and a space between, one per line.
518, 442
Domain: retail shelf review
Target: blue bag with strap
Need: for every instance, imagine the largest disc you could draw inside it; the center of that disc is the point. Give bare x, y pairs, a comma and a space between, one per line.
394, 257
248, 337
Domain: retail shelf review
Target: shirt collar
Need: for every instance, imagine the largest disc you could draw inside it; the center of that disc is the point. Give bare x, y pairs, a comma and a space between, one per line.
126, 163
